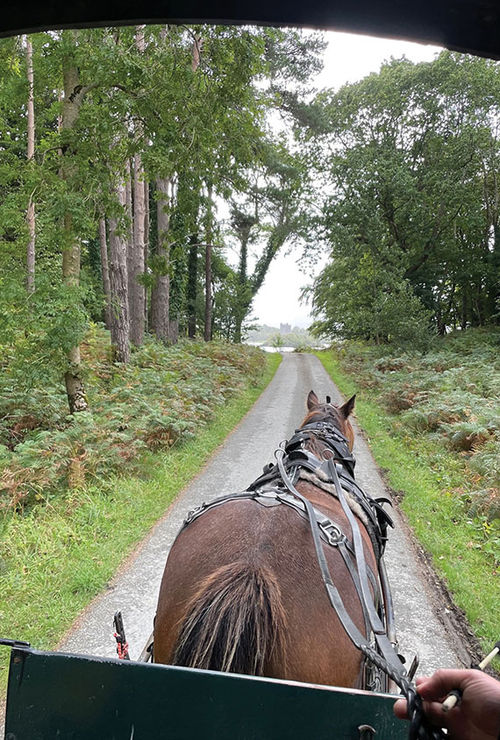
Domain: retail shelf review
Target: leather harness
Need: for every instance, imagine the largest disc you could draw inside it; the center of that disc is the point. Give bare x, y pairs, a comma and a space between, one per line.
276, 486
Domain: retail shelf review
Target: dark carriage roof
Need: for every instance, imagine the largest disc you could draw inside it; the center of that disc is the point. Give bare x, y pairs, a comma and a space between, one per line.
464, 25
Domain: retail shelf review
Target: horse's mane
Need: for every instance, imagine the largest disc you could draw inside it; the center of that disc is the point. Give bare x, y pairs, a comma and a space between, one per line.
327, 413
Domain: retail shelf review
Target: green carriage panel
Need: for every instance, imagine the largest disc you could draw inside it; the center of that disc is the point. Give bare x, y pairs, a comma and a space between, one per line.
56, 695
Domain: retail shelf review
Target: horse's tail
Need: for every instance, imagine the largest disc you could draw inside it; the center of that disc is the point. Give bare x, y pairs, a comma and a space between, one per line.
234, 623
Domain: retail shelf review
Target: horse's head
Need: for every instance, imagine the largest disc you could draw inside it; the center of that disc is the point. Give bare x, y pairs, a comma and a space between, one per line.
338, 416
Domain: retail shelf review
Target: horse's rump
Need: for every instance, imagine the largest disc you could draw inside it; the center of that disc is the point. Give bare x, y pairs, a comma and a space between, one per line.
245, 576
235, 622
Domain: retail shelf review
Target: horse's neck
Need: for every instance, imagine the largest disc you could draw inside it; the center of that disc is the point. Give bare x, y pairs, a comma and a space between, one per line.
321, 450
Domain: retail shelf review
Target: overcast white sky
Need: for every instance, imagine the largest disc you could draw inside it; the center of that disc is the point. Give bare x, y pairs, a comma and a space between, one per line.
348, 58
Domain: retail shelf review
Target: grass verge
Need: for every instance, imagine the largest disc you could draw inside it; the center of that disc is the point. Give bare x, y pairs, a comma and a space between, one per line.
425, 477
58, 556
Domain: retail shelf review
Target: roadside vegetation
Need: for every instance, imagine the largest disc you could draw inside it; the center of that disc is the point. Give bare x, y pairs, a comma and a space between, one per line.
433, 423
162, 397
78, 492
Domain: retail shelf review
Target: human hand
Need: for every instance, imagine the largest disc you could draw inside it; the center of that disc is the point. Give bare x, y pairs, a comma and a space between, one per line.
475, 717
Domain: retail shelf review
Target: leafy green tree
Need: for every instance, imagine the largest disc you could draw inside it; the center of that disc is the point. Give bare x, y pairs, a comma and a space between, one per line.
355, 299
234, 148
277, 341
412, 153
274, 213
177, 111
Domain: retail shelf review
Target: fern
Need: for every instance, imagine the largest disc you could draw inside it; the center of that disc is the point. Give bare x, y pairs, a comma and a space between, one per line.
448, 393
162, 398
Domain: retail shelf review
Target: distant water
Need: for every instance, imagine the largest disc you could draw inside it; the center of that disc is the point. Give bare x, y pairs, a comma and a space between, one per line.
268, 348
276, 349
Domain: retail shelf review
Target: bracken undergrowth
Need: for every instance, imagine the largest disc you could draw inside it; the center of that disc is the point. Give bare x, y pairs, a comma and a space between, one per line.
160, 399
431, 420
446, 399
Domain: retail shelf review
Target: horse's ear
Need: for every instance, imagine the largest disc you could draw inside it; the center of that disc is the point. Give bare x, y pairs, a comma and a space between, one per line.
347, 407
312, 400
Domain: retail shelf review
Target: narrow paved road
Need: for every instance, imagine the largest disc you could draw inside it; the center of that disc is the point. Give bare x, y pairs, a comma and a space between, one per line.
274, 417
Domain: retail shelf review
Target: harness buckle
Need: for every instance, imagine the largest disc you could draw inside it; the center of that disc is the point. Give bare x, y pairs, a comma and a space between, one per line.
193, 514
266, 498
333, 534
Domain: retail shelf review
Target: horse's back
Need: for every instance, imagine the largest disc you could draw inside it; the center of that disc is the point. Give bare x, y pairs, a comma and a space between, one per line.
269, 551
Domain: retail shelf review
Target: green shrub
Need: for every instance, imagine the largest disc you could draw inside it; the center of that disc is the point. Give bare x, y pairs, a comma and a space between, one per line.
160, 399
466, 435
448, 394
484, 503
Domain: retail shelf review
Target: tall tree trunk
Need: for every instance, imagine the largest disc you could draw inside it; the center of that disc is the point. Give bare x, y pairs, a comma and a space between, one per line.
160, 294
243, 224
103, 243
441, 326
173, 330
30, 214
192, 284
147, 227
492, 284
192, 279
478, 304
136, 254
208, 292
75, 389
242, 302
463, 319
120, 329
196, 52
128, 206
73, 96
238, 323
208, 270
136, 258
140, 40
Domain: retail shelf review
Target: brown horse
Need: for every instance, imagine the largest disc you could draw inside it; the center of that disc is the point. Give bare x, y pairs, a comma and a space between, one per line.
242, 590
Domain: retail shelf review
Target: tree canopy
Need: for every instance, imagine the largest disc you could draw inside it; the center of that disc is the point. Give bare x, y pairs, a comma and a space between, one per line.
136, 137
135, 159
409, 159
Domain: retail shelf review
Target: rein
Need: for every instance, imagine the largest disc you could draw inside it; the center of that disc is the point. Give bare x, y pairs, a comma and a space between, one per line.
385, 658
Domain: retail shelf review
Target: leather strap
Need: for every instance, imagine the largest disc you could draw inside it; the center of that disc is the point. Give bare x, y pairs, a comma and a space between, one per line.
388, 660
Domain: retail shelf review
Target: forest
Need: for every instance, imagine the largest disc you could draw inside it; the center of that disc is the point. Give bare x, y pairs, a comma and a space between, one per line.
432, 418
149, 176
410, 162
117, 146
